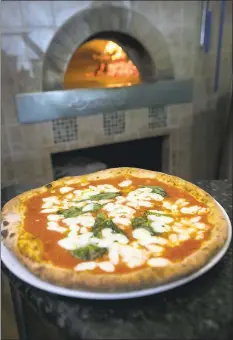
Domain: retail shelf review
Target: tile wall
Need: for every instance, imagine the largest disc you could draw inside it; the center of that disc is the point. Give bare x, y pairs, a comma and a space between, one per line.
26, 149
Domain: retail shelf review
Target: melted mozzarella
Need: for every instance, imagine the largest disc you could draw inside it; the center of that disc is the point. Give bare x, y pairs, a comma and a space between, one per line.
193, 210
125, 183
118, 209
120, 199
158, 227
114, 254
48, 204
158, 262
54, 217
106, 232
141, 234
183, 237
133, 257
69, 196
54, 226
161, 218
85, 220
199, 235
83, 230
85, 266
159, 240
88, 207
173, 238
64, 190
144, 194
48, 211
106, 266
154, 248
122, 220
144, 237
53, 199
106, 188
68, 243
73, 230
201, 225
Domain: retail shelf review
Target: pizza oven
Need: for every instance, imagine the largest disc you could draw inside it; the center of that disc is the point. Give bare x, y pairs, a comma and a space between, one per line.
101, 61
108, 85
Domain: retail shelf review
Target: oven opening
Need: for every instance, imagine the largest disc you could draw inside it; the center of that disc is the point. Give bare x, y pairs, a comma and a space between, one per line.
144, 153
108, 59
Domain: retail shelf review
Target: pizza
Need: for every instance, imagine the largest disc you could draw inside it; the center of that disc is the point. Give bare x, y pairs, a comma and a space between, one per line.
114, 230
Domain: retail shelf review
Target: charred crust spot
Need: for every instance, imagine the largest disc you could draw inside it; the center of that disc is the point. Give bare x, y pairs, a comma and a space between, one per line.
12, 235
4, 233
48, 186
5, 223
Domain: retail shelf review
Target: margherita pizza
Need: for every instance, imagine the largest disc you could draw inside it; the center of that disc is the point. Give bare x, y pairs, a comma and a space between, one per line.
114, 230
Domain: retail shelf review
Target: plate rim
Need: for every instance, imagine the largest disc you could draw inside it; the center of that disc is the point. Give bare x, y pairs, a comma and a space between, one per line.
16, 268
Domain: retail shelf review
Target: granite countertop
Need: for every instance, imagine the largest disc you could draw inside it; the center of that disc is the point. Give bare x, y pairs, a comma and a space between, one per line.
201, 309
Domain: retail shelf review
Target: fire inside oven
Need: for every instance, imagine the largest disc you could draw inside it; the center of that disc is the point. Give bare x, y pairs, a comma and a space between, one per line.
100, 63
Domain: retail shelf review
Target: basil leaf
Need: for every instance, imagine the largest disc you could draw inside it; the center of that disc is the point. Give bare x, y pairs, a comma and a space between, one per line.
71, 212
149, 212
102, 222
93, 207
142, 222
104, 196
88, 253
156, 190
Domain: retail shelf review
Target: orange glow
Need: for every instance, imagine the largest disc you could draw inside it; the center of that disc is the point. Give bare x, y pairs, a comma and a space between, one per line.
100, 63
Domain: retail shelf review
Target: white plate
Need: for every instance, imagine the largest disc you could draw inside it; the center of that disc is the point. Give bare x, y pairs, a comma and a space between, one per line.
20, 271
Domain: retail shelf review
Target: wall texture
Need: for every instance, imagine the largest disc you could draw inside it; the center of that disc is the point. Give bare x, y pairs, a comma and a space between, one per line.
27, 28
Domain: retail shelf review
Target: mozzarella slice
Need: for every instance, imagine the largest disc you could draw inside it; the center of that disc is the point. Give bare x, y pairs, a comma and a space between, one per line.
106, 266
85, 266
64, 190
158, 262
125, 183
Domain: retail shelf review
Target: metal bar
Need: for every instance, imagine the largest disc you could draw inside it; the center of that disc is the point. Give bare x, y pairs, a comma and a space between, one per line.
218, 57
203, 22
44, 106
208, 31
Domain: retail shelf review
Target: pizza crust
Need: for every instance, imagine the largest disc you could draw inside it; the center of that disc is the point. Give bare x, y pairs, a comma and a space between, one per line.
12, 223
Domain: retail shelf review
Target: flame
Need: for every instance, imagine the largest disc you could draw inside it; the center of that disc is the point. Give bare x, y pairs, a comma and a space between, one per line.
113, 49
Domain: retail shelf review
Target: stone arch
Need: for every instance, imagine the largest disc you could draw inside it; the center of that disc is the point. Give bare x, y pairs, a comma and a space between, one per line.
114, 22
